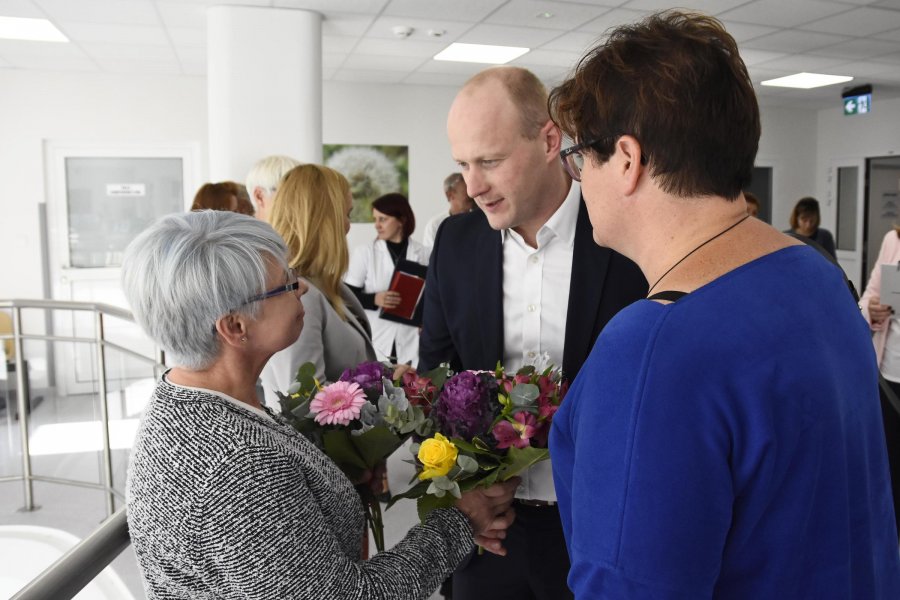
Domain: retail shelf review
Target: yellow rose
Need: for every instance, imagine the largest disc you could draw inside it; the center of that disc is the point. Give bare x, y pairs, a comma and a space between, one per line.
438, 455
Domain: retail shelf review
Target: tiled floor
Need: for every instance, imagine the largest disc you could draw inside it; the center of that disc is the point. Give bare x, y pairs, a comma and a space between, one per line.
61, 452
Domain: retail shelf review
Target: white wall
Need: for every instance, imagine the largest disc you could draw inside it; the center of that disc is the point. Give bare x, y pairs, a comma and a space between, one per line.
414, 116
853, 138
75, 107
788, 145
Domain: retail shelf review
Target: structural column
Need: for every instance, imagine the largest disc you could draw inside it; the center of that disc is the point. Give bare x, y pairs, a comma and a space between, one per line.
264, 87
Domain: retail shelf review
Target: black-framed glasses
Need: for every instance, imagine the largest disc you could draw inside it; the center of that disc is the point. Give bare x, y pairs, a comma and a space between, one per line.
573, 159
282, 289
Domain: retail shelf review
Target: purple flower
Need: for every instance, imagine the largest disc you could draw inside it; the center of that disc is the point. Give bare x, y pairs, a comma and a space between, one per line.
368, 376
467, 405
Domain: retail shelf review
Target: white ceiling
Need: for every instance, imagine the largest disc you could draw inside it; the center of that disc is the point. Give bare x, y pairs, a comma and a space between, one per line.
860, 38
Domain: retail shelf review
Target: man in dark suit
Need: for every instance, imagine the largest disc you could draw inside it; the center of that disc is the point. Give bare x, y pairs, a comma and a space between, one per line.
521, 282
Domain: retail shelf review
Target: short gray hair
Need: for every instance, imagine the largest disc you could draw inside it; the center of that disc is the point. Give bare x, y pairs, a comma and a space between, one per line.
451, 180
188, 269
268, 172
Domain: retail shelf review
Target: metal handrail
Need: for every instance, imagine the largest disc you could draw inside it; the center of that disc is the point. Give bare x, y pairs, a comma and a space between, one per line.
99, 310
78, 567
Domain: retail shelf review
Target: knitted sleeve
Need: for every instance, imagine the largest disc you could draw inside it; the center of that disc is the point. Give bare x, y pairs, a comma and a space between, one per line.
263, 533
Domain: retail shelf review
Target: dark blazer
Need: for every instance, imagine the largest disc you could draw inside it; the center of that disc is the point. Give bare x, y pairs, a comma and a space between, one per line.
463, 314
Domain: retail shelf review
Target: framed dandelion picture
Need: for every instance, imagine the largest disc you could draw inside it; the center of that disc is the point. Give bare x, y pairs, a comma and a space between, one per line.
372, 172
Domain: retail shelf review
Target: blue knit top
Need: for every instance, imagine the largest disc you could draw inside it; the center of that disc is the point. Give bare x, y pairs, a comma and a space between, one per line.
730, 445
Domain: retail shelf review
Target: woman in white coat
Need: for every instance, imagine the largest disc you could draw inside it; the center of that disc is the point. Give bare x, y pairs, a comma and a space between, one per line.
371, 268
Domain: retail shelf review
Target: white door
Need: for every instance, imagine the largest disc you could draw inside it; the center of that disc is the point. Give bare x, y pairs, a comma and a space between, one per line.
99, 198
846, 192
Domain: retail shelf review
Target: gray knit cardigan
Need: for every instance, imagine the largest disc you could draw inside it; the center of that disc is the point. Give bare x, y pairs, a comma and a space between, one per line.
223, 503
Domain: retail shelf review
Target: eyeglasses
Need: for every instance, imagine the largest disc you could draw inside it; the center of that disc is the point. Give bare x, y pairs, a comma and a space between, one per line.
293, 286
283, 289
573, 159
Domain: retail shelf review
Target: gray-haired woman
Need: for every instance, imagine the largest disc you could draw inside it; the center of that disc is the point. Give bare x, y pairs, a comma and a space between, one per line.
225, 500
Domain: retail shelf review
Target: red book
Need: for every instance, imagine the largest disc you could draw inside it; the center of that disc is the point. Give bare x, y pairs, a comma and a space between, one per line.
409, 281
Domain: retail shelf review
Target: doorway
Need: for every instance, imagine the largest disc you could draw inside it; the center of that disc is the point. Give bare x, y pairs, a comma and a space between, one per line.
882, 206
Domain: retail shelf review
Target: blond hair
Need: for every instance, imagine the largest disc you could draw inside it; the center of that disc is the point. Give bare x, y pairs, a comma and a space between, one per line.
308, 212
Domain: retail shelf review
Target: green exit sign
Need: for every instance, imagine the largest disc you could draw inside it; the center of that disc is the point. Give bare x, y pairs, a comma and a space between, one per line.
858, 105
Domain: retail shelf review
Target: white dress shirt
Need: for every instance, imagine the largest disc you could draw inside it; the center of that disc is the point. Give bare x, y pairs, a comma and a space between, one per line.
535, 302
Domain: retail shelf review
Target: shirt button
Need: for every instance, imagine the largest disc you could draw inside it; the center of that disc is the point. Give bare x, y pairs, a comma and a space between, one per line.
531, 308
535, 259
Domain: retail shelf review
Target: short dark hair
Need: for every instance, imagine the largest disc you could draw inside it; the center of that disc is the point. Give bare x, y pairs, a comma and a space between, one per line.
806, 206
396, 205
216, 196
676, 82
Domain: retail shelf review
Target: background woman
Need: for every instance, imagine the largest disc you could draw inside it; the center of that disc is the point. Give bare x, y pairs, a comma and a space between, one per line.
217, 196
683, 468
310, 211
225, 499
369, 276
805, 219
886, 337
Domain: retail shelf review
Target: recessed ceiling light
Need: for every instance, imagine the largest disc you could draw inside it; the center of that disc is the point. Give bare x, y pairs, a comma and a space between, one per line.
545, 15
36, 30
806, 80
480, 53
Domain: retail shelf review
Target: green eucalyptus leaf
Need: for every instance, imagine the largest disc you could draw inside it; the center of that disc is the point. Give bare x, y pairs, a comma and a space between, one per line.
524, 394
467, 463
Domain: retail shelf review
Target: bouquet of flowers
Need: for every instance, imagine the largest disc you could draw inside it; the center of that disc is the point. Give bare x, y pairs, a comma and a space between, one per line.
359, 420
487, 427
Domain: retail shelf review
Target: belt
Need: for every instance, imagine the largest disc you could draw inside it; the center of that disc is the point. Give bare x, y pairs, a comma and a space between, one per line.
535, 503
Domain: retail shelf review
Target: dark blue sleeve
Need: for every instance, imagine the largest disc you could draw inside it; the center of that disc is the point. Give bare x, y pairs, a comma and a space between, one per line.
435, 342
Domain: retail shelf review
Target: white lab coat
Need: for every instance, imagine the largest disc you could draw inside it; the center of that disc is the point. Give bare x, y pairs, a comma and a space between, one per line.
371, 268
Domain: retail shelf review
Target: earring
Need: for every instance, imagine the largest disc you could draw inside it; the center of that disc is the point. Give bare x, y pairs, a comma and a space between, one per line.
243, 339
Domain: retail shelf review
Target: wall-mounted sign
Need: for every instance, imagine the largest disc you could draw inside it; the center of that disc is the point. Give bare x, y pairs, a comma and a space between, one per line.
857, 100
858, 105
126, 189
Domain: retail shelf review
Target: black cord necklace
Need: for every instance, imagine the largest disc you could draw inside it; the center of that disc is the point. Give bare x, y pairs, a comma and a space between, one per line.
683, 258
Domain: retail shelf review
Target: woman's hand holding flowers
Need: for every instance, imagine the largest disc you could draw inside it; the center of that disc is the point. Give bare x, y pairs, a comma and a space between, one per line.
490, 513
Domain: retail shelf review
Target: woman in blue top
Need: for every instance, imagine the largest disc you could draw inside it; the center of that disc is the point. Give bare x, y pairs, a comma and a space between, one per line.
723, 439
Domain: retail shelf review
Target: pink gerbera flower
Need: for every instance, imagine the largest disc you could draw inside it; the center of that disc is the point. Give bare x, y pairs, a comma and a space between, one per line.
517, 433
338, 403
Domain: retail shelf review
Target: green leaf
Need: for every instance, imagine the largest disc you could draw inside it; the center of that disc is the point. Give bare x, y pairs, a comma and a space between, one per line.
519, 459
376, 445
467, 463
428, 503
524, 394
438, 375
340, 448
416, 491
306, 377
476, 446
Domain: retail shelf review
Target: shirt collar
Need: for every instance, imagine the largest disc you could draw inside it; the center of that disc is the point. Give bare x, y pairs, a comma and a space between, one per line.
561, 223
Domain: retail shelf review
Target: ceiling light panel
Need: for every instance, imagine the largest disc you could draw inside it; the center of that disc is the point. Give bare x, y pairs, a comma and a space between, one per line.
34, 30
480, 53
807, 81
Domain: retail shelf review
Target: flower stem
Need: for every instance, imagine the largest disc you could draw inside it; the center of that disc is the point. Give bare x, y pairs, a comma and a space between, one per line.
373, 515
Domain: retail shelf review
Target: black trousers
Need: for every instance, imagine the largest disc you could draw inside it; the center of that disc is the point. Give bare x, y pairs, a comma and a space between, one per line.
892, 437
535, 567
